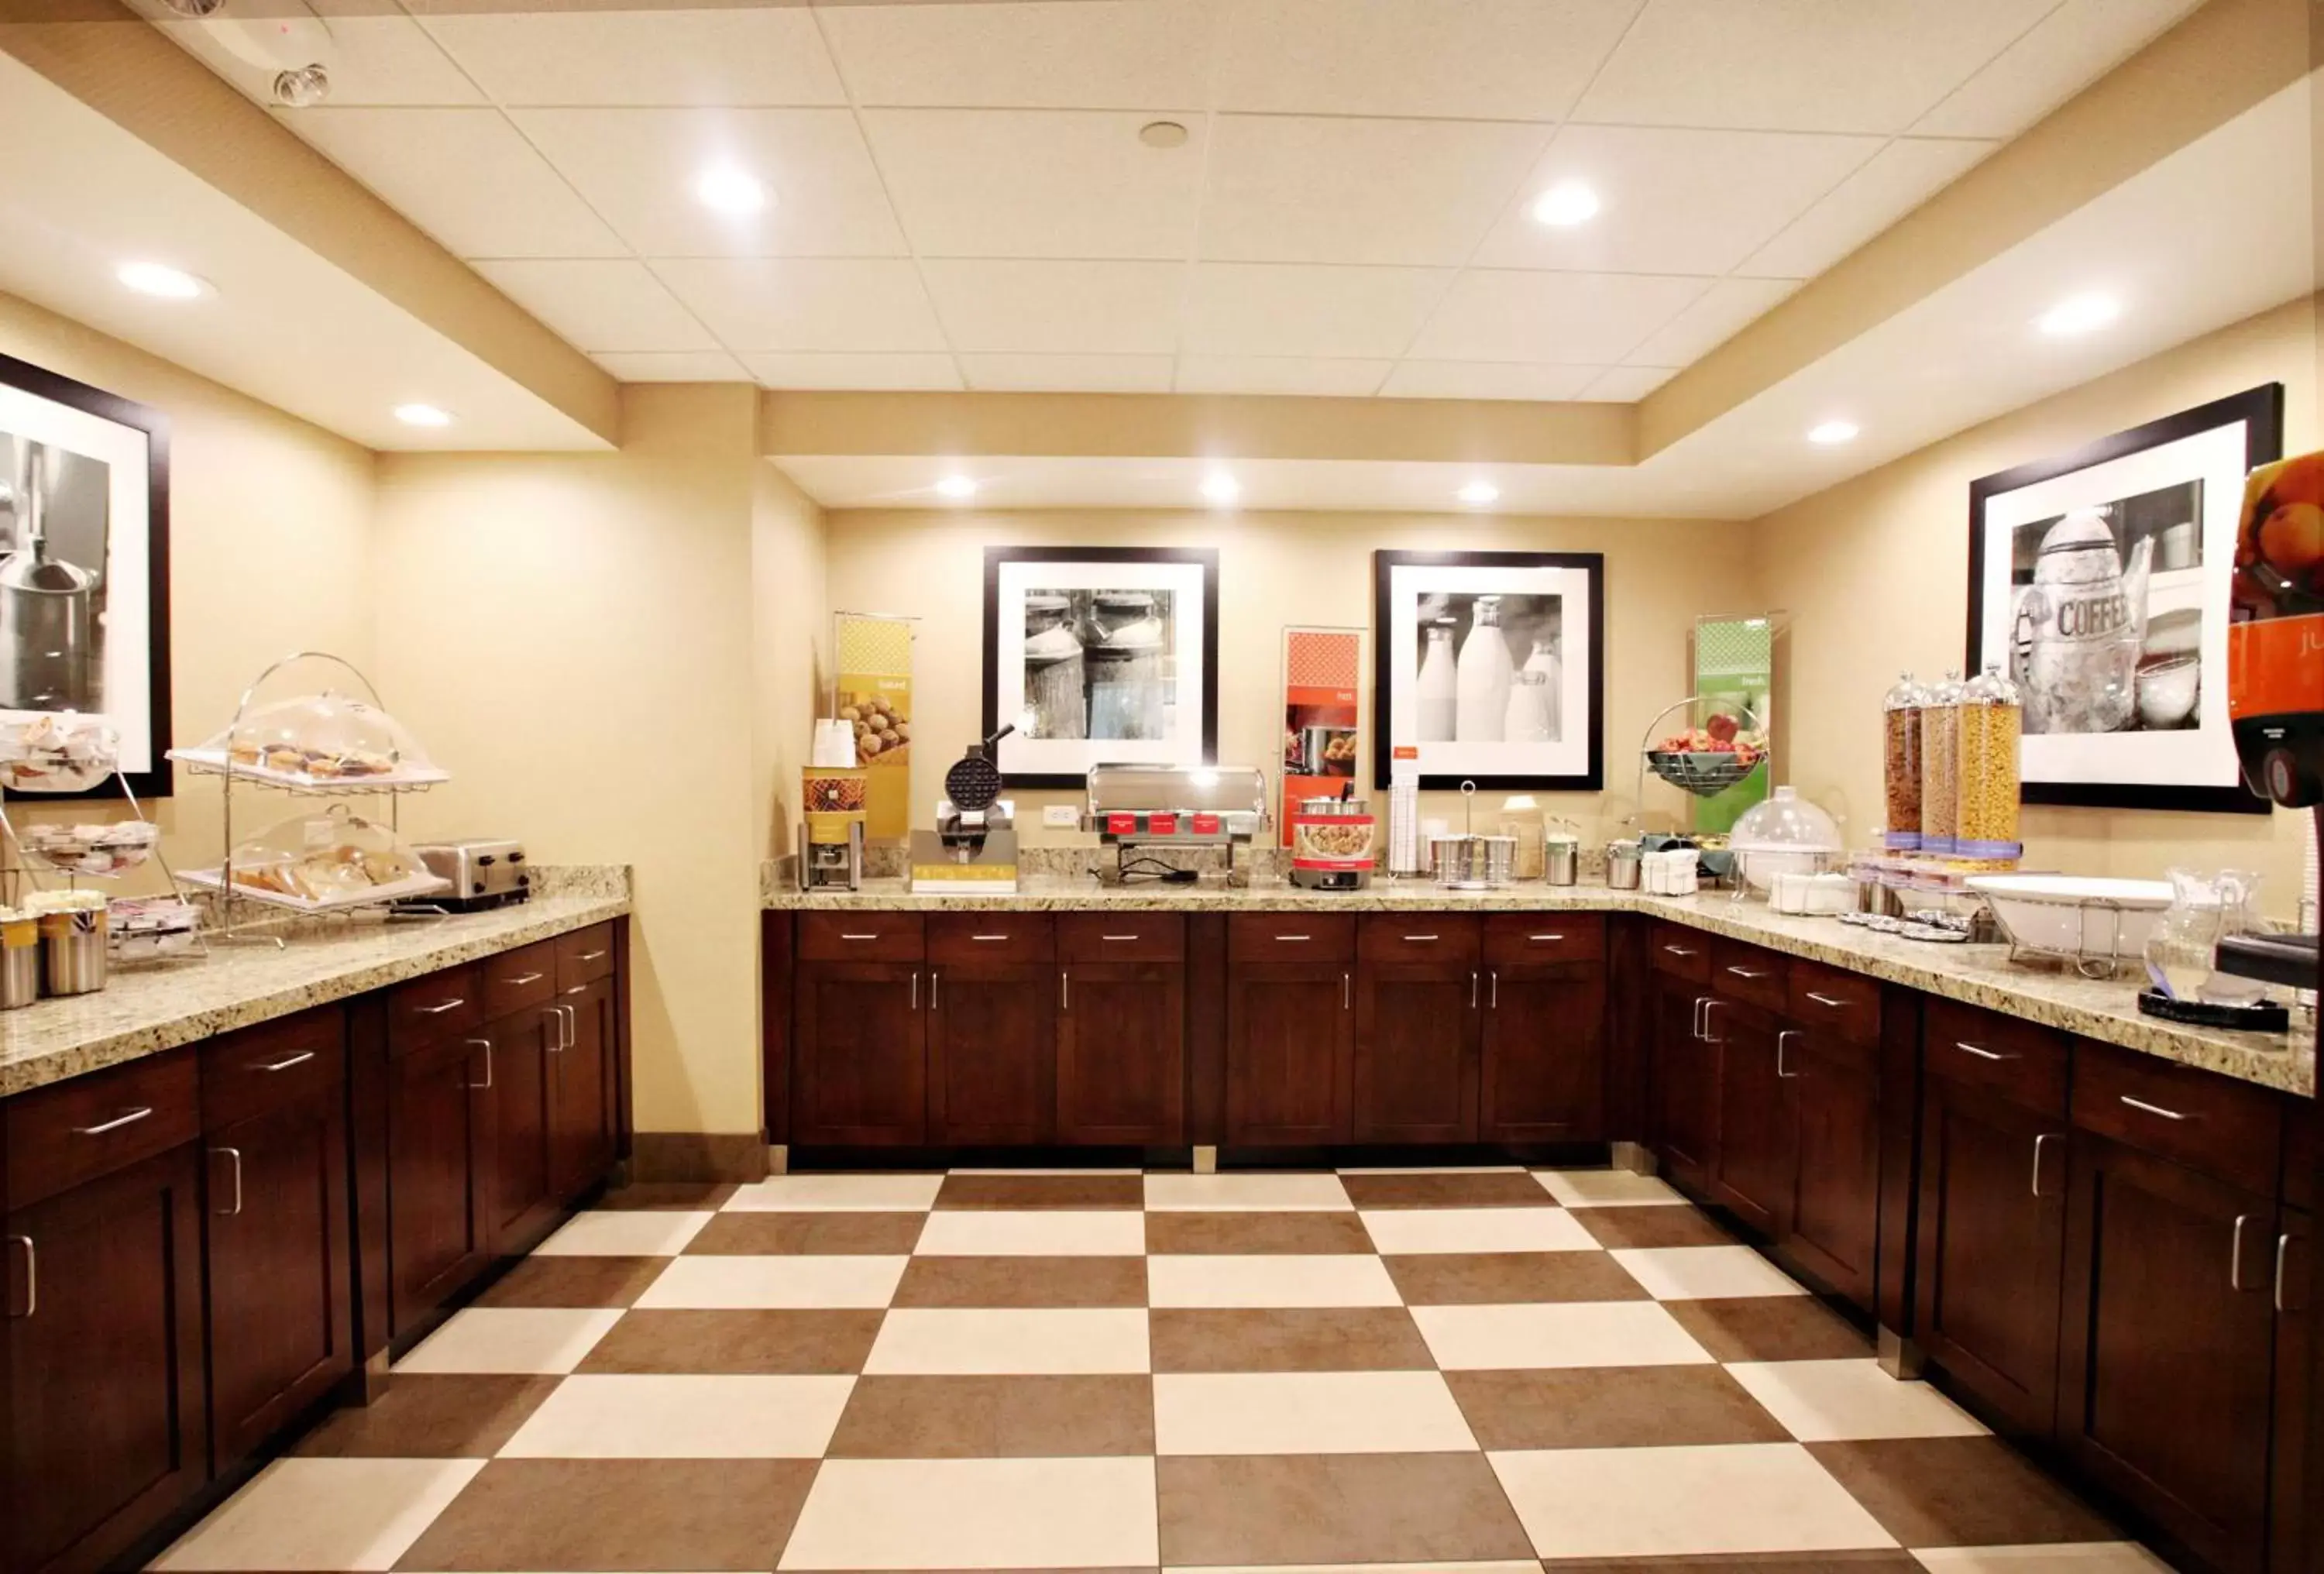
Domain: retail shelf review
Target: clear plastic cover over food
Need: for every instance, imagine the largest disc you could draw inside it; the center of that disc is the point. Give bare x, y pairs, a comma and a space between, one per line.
1988, 724
1901, 763
1941, 766
321, 740
1787, 835
56, 752
331, 859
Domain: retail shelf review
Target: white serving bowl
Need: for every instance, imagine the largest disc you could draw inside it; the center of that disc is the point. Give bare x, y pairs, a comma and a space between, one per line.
2075, 915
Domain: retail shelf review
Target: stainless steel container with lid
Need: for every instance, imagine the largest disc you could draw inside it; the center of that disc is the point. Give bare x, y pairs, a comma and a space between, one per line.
1334, 842
1622, 866
73, 952
19, 961
1471, 863
1562, 860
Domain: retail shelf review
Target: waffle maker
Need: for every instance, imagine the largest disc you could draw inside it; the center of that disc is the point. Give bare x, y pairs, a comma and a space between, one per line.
974, 847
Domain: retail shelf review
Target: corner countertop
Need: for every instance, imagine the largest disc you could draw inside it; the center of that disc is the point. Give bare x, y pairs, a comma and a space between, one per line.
1977, 975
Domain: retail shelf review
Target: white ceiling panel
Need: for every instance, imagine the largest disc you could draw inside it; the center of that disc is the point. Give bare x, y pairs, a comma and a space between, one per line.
1625, 384
1279, 374
1575, 319
599, 306
652, 56
1057, 54
1037, 182
1418, 192
465, 176
1242, 309
375, 55
1471, 60
1714, 318
637, 168
2068, 50
673, 367
807, 303
1014, 373
1485, 380
1800, 65
876, 373
1108, 309
1897, 178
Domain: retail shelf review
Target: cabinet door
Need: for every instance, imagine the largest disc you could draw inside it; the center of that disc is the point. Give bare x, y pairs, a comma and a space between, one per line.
1415, 1060
859, 1047
439, 1153
1542, 1076
2292, 1513
281, 1322
582, 1104
2169, 1347
1992, 1249
1121, 1054
522, 1048
1835, 1200
1752, 1173
1685, 1095
103, 1336
991, 1053
1290, 1039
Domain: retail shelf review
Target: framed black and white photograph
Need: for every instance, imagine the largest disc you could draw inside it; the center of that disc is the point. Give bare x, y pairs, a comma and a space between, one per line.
84, 562
1491, 665
1102, 656
2098, 582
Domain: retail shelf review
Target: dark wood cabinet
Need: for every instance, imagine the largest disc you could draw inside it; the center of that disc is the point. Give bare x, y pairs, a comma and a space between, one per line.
440, 1147
584, 1104
860, 1073
2292, 1510
1542, 1072
1121, 1054
1414, 1076
1290, 1044
1753, 1174
992, 1053
1684, 1075
520, 1049
1833, 1232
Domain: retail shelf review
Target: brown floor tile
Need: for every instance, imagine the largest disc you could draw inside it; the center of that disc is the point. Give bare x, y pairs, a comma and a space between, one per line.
618, 1514
574, 1282
1507, 1278
1961, 1492
1023, 1281
1612, 1407
1335, 1508
1863, 1562
1255, 1234
995, 1418
1677, 1225
1481, 1188
1371, 1339
744, 1343
1126, 1189
755, 1235
426, 1416
1770, 1328
687, 1196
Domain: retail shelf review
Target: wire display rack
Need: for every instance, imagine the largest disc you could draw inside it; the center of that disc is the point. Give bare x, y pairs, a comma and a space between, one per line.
25, 866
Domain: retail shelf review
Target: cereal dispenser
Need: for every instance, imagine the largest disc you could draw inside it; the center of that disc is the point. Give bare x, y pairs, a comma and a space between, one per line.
1987, 727
1901, 763
1940, 766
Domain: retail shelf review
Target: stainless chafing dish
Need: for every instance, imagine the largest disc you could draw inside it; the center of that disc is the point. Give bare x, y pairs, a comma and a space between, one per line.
1153, 806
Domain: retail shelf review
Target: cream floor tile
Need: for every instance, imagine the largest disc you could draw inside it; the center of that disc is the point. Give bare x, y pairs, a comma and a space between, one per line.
323, 1514
1527, 1567
1431, 1170
641, 1232
1347, 1280
1633, 1503
1571, 1333
1706, 1273
1415, 1231
1606, 1188
1308, 1413
842, 1194
1000, 1233
1820, 1401
1270, 1194
978, 1514
1041, 1340
683, 1418
792, 1283
493, 1338
2067, 1557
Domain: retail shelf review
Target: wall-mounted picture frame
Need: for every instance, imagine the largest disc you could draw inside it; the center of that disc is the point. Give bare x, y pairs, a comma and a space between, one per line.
84, 563
2099, 581
1102, 656
1492, 665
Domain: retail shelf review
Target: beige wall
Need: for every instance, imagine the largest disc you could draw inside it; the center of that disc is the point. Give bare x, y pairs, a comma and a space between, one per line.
1277, 569
1874, 573
790, 647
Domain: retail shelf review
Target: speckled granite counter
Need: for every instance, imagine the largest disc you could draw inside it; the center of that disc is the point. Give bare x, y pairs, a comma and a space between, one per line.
1978, 975
147, 1009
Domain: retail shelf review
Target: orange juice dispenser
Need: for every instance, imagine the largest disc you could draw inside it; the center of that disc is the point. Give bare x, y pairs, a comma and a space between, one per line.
831, 803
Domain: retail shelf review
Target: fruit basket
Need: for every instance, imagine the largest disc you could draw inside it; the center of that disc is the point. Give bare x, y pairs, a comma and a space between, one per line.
1721, 745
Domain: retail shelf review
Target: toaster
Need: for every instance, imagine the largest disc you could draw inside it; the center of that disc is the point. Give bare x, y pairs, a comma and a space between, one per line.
483, 873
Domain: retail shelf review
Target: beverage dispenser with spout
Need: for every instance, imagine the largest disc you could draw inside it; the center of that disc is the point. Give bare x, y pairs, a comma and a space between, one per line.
2075, 639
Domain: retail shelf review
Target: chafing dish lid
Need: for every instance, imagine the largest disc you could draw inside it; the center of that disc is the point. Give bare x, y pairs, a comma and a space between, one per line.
1225, 789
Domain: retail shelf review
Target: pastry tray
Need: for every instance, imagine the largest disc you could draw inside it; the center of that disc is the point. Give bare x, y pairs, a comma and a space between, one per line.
415, 885
215, 762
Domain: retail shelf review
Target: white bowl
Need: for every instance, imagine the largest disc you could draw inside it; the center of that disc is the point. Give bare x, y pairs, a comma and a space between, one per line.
2075, 915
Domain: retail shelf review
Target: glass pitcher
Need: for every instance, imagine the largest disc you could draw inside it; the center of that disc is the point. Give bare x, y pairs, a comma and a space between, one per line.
2182, 949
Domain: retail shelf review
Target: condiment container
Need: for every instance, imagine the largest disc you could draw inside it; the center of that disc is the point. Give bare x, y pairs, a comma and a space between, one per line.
1623, 865
20, 959
73, 939
1334, 844
1901, 762
1940, 766
1521, 821
1987, 726
1562, 859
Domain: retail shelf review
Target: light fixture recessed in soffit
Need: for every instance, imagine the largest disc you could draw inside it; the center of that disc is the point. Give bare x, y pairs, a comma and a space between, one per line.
1221, 488
957, 486
422, 415
1162, 134
2080, 314
1479, 493
302, 86
160, 281
1832, 433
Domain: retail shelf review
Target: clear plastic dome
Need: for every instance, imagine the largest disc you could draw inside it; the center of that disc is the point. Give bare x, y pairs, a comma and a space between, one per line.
327, 740
1787, 823
337, 859
1907, 696
56, 752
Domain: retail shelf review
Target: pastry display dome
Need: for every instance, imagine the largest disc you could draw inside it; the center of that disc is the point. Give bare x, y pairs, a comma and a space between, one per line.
315, 863
1787, 835
317, 741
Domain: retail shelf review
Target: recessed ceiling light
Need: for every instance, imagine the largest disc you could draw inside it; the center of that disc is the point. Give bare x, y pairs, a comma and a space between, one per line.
1831, 432
2080, 314
1480, 491
731, 191
158, 279
1565, 204
1162, 134
422, 415
1220, 488
957, 486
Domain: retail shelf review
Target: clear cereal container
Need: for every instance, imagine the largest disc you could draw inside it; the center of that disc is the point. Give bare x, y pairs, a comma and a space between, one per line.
1988, 724
1940, 766
1901, 763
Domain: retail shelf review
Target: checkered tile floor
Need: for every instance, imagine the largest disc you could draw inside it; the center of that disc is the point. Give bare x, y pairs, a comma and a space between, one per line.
1473, 1370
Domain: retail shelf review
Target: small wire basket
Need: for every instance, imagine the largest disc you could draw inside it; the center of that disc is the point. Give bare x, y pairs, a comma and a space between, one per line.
1705, 773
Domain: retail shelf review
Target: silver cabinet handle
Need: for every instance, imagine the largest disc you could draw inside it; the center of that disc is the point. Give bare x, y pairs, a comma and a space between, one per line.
1419, 939
1981, 1054
988, 937
2154, 1108
2235, 1253
916, 989
1680, 950
1788, 1033
1347, 992
556, 1013
1745, 972
1472, 988
523, 979
1696, 1028
1117, 937
575, 990
31, 1275
846, 936
1545, 939
1707, 1006
1065, 989
1494, 979
454, 1004
1289, 937
2045, 1138
936, 978
126, 1117
235, 1155
590, 955
568, 1032
2282, 1246
1827, 1000
572, 1026
286, 1063
486, 1046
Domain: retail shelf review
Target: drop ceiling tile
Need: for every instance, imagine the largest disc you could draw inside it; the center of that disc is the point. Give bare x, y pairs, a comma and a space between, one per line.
1256, 309
637, 168
649, 55
1079, 308
1715, 316
1671, 200
1799, 65
1068, 373
1895, 180
1037, 182
1575, 319
599, 306
1288, 374
1415, 192
1485, 380
2066, 51
465, 176
374, 56
807, 303
864, 373
1625, 384
1482, 60
1057, 54
673, 367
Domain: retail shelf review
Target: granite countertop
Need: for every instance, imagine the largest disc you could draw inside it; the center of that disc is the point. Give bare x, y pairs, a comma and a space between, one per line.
145, 1009
1977, 975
